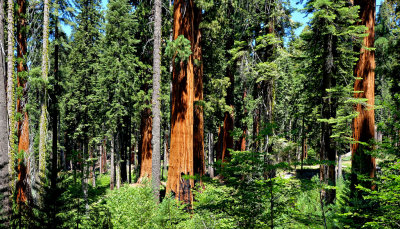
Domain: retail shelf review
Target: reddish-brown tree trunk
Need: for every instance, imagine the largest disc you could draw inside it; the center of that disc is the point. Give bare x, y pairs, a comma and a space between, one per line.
198, 127
23, 123
225, 139
363, 124
241, 143
182, 112
145, 148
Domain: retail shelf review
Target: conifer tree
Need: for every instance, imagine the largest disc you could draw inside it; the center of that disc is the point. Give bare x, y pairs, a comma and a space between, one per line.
10, 91
363, 163
4, 141
181, 156
119, 69
43, 117
156, 103
22, 114
333, 66
81, 98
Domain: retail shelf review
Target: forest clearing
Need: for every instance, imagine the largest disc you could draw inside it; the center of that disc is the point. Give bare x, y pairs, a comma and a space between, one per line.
199, 114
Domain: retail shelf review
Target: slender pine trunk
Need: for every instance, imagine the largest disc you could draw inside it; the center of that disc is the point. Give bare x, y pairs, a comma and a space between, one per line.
10, 91
112, 166
156, 105
43, 115
4, 141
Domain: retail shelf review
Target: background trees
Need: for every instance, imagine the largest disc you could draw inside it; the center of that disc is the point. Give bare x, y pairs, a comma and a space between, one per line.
227, 89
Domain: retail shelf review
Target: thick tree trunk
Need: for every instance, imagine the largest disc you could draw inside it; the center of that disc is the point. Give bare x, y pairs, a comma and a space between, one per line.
23, 123
112, 166
4, 157
198, 126
145, 148
156, 105
363, 125
181, 155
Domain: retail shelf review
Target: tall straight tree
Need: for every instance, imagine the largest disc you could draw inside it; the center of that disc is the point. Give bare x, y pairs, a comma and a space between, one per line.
43, 115
10, 90
4, 159
156, 105
198, 125
332, 71
181, 154
364, 87
81, 97
119, 64
225, 138
23, 119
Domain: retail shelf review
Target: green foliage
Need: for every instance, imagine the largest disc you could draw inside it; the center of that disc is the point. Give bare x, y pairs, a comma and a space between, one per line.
131, 207
179, 49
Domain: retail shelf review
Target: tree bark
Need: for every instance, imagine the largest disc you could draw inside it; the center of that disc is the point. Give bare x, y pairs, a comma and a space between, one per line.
225, 140
43, 115
198, 126
363, 124
112, 166
181, 155
327, 152
211, 154
156, 105
10, 91
145, 148
4, 142
54, 98
23, 123
166, 152
118, 163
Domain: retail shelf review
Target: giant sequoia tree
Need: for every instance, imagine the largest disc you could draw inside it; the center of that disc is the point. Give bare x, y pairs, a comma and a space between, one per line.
22, 114
182, 110
363, 163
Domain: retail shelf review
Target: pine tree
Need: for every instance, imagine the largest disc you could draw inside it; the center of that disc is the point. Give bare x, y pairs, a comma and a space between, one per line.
43, 117
10, 91
156, 103
81, 97
333, 65
119, 68
4, 141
